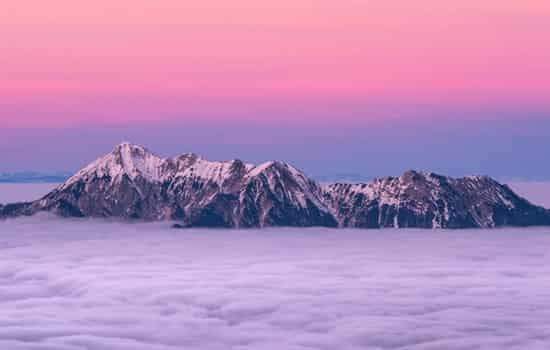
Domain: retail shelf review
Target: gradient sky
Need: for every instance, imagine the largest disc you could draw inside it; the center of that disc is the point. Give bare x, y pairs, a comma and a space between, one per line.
371, 87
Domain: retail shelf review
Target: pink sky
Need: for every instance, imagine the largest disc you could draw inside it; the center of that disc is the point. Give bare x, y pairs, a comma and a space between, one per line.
70, 62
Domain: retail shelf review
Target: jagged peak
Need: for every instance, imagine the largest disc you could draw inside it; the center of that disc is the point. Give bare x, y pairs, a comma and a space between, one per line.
185, 183
189, 157
295, 183
421, 174
479, 178
192, 165
194, 157
135, 160
131, 150
412, 176
287, 169
126, 144
274, 165
260, 168
125, 159
412, 172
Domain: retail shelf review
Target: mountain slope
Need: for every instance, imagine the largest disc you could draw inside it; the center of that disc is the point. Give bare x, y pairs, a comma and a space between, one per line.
428, 200
133, 183
124, 183
285, 197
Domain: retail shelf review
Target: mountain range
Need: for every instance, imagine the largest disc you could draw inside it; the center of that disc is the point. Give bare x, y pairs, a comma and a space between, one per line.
133, 183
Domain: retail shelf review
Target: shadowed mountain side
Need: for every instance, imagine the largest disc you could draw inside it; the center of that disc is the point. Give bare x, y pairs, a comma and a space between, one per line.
133, 183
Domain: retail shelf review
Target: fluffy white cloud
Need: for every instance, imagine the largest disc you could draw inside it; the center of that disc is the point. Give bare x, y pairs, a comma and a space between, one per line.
90, 285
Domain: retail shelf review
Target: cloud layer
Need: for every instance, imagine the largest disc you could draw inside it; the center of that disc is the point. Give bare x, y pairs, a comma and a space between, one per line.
89, 285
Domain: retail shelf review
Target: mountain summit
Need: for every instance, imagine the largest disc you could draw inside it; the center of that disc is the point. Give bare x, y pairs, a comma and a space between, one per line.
421, 199
133, 183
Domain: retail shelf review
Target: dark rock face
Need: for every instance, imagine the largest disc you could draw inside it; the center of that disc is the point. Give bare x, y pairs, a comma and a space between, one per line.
16, 209
279, 195
99, 197
268, 195
428, 200
132, 183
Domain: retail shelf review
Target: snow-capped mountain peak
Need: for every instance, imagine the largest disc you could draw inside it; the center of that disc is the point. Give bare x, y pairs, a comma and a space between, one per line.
125, 159
288, 183
194, 166
132, 182
425, 199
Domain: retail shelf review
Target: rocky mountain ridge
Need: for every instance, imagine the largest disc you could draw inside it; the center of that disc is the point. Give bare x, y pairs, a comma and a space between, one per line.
133, 183
428, 200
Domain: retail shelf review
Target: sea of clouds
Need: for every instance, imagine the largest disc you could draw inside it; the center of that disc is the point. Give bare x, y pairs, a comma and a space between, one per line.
97, 285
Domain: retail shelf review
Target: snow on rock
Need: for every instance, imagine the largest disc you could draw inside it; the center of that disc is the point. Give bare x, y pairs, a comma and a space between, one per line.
132, 182
423, 199
125, 159
194, 166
